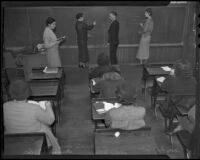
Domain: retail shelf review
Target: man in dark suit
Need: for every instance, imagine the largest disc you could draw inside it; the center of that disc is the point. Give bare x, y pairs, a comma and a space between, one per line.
113, 37
82, 29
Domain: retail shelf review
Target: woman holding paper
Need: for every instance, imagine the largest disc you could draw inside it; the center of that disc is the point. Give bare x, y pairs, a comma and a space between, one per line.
22, 116
51, 43
147, 28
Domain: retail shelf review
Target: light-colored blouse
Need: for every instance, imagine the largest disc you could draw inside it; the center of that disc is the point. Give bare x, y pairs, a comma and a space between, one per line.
148, 27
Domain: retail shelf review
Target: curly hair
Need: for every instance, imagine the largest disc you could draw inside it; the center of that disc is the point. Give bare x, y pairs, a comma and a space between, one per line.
49, 20
149, 11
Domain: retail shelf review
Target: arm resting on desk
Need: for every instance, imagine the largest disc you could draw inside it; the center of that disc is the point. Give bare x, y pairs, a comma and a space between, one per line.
47, 117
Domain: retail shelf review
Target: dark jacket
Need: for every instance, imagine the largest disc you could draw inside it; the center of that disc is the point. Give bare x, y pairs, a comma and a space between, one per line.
100, 70
113, 33
180, 85
81, 29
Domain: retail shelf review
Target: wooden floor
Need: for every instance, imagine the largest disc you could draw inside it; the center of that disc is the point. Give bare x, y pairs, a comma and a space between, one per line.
75, 131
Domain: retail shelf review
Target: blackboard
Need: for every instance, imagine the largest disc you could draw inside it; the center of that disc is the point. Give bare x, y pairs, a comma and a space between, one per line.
26, 25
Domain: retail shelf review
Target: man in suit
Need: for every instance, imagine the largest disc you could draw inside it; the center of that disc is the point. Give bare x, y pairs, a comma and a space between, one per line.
113, 37
82, 29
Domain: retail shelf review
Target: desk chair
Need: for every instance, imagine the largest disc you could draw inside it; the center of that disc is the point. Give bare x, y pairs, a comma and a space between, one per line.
184, 138
176, 102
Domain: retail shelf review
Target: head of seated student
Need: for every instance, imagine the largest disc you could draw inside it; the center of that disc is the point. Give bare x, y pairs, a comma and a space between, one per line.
183, 68
113, 76
129, 116
103, 60
19, 90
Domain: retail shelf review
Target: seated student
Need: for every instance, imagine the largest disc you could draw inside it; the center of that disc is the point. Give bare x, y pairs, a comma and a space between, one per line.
108, 84
103, 67
182, 82
130, 115
21, 116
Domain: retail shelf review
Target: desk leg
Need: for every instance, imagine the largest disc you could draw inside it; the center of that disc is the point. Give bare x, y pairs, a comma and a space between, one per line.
145, 85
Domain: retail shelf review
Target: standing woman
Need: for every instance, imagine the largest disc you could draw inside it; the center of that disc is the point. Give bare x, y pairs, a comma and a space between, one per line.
52, 43
143, 51
82, 37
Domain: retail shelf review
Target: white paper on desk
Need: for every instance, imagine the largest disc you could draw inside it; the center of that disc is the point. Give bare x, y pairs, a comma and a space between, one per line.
101, 111
93, 82
50, 70
108, 106
45, 69
161, 79
166, 68
41, 104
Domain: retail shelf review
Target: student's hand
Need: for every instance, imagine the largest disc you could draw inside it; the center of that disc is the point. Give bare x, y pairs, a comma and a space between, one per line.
94, 23
48, 104
58, 41
63, 38
108, 44
141, 24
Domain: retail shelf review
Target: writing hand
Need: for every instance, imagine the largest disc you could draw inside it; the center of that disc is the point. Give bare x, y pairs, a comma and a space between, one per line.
141, 24
108, 44
94, 23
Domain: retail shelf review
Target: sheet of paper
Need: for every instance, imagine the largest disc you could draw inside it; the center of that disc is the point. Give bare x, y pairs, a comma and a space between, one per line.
101, 111
161, 79
93, 82
166, 68
41, 104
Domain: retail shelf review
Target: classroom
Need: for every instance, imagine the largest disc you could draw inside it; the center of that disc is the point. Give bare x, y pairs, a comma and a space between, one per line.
100, 79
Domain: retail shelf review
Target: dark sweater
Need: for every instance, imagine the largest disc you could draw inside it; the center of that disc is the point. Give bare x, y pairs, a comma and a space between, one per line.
100, 70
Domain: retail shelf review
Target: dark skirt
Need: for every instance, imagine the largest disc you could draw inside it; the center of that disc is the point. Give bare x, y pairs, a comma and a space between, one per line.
83, 52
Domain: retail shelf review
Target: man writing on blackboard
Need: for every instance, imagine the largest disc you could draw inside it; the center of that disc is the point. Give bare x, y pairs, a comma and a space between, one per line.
113, 37
81, 29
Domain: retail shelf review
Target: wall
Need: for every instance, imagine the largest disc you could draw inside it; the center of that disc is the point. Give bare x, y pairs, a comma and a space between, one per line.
24, 26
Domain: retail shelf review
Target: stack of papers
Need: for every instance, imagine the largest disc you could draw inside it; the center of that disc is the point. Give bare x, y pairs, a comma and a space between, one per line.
107, 106
50, 70
40, 103
166, 68
161, 79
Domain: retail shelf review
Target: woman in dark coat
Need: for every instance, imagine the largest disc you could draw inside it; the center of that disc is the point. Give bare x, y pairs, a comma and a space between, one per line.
82, 29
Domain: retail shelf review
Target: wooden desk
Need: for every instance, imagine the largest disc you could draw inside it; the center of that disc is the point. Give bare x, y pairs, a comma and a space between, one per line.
96, 117
47, 90
38, 74
25, 144
149, 72
126, 144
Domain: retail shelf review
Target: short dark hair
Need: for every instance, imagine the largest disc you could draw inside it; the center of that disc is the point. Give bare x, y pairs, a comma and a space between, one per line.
50, 20
183, 68
149, 11
79, 15
114, 13
103, 59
